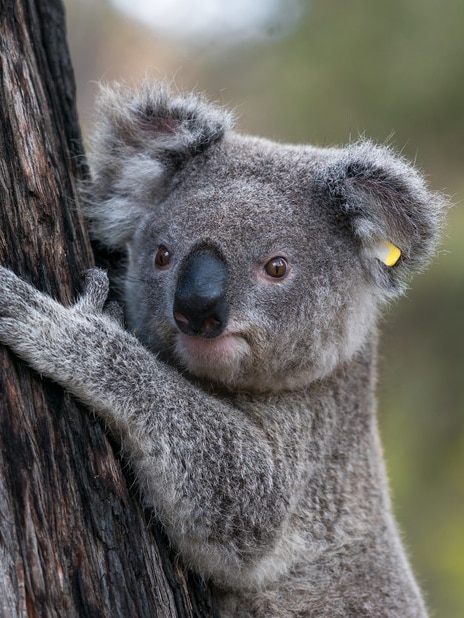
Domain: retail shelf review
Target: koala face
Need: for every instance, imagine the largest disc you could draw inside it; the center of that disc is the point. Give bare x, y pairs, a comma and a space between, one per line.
251, 264
240, 281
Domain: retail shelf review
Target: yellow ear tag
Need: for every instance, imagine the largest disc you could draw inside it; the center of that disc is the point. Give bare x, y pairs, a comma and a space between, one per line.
387, 252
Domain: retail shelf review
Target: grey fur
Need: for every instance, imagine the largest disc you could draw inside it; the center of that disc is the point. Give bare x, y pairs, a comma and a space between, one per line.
258, 449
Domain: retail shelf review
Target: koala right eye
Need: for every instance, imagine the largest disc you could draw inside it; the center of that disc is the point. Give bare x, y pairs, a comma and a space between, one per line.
277, 267
163, 257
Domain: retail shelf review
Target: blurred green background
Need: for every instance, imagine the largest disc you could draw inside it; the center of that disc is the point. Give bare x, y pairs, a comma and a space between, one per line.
334, 70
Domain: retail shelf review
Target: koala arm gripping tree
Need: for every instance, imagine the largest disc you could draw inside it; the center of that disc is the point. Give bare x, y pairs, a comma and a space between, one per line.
243, 393
192, 453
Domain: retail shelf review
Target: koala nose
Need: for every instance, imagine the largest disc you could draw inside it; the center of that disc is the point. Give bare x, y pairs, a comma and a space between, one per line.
200, 306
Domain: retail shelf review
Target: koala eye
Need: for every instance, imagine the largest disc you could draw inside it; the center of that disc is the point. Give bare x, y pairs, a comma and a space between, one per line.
163, 257
277, 267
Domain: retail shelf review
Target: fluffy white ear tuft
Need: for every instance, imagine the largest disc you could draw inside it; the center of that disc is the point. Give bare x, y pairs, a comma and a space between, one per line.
142, 138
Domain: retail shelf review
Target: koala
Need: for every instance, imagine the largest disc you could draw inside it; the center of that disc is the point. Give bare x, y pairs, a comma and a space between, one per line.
243, 390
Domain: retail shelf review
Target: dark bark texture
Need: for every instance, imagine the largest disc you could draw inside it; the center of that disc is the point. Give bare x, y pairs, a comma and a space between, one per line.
74, 540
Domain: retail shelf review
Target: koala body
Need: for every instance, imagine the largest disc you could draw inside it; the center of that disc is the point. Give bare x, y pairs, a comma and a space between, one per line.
243, 392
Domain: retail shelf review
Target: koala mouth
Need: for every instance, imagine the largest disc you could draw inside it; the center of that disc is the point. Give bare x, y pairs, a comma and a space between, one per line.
219, 358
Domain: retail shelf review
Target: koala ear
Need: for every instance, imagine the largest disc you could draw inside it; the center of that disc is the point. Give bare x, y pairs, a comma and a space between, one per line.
142, 138
385, 204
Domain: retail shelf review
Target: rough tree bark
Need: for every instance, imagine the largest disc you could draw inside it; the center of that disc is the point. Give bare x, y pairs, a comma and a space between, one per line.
74, 540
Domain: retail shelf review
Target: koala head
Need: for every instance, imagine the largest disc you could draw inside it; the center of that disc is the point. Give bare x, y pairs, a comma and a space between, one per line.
251, 264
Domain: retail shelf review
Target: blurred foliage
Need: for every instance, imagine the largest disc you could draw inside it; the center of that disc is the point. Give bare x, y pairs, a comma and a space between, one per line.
394, 72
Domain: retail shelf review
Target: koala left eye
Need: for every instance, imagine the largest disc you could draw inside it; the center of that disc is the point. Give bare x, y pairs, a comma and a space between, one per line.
163, 257
277, 268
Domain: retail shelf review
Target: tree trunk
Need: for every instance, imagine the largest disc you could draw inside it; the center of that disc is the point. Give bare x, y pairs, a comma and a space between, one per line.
73, 540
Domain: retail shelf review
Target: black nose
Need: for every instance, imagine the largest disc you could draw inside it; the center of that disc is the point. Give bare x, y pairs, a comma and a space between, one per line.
200, 306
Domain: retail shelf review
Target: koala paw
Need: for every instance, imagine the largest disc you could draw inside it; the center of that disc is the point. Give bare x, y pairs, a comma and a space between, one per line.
41, 330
